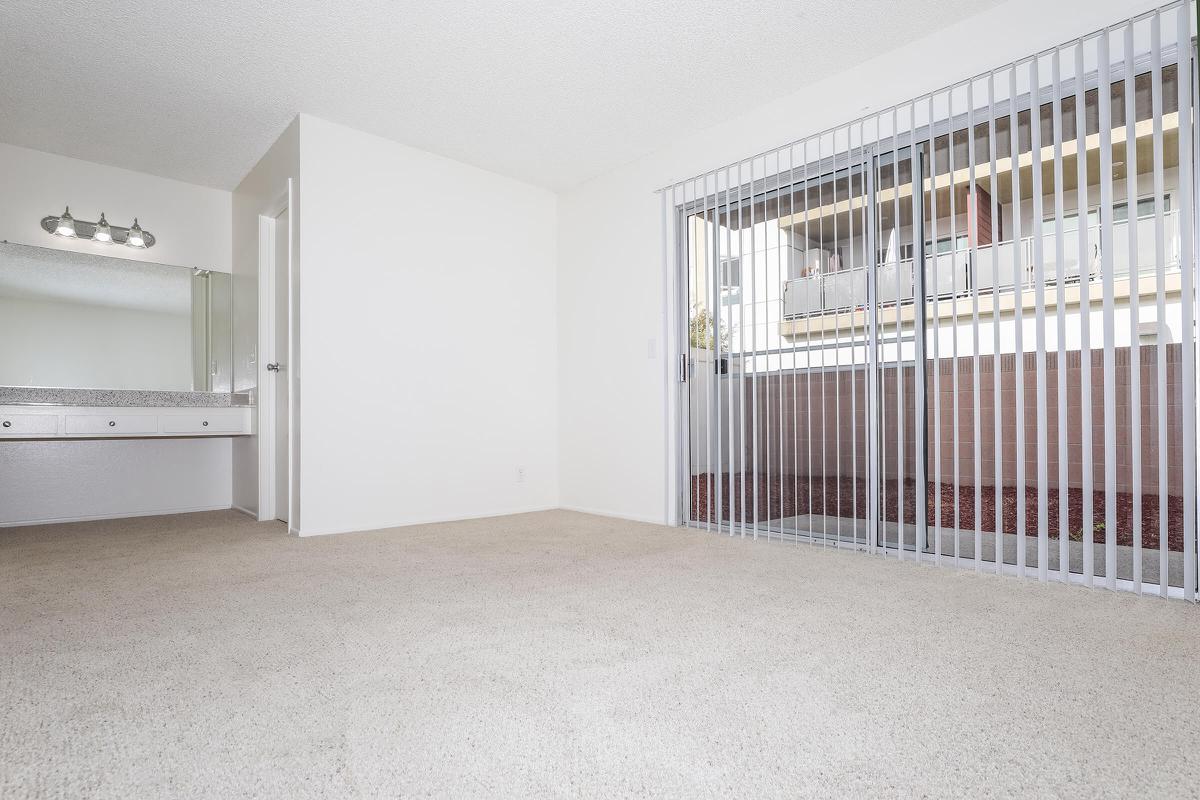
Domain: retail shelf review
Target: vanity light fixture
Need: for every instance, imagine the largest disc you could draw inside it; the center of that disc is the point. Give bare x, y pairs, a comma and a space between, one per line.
103, 230
68, 226
136, 236
65, 225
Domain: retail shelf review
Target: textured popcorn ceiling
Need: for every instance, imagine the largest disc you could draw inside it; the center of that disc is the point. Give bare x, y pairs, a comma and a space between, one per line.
549, 92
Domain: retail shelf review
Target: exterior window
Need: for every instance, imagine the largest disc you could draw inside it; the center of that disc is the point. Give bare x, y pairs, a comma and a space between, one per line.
1070, 222
1145, 209
731, 275
944, 245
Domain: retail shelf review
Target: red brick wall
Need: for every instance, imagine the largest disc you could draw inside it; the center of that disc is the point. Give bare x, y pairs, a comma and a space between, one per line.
820, 419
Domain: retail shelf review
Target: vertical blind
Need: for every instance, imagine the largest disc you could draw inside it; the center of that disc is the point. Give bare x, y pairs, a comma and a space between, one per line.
962, 329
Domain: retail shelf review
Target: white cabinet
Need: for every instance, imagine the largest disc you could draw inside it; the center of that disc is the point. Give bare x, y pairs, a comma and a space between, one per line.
204, 422
85, 422
28, 424
111, 424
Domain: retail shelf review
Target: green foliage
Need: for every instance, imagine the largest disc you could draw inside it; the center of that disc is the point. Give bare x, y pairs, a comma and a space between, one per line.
1077, 536
700, 330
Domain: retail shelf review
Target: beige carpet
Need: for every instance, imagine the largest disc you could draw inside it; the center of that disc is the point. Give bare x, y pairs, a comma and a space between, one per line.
563, 655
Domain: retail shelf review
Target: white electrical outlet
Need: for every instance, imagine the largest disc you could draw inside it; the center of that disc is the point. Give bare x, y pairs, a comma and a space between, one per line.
520, 474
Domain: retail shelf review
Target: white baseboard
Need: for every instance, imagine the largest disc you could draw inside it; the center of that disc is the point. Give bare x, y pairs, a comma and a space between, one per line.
425, 521
125, 515
336, 531
599, 513
405, 523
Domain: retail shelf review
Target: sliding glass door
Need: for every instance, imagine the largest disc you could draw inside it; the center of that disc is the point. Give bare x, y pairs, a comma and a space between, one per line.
801, 395
961, 329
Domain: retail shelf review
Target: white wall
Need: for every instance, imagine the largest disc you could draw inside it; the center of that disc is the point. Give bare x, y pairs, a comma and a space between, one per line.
191, 223
91, 479
614, 427
67, 480
427, 336
255, 195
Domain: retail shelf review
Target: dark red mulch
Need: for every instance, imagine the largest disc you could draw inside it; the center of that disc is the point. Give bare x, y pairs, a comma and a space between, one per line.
789, 496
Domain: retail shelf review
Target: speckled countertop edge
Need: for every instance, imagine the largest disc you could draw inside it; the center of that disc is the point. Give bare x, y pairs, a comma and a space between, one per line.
26, 395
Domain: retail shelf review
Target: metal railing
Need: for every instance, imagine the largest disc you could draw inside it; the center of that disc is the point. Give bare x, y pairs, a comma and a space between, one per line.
956, 273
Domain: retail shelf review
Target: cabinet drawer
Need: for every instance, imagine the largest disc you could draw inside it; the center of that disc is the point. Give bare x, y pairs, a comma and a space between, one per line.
211, 423
28, 424
112, 425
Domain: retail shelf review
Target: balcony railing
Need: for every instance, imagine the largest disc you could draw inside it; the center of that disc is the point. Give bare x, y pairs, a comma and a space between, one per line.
956, 273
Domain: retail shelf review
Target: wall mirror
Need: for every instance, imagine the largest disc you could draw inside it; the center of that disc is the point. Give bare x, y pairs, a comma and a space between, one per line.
89, 321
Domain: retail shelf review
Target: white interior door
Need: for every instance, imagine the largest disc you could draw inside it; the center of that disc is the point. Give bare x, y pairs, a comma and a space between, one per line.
280, 361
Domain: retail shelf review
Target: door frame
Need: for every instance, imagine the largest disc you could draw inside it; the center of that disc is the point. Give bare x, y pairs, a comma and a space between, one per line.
267, 445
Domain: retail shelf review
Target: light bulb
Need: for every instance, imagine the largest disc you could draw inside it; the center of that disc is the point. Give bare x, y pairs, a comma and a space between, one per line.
135, 235
103, 231
66, 224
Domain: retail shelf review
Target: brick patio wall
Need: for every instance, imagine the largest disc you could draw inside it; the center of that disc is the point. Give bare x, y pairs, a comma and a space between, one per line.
823, 418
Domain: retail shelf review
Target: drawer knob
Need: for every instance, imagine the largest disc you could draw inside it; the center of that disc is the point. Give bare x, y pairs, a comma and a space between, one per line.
205, 423
112, 423
8, 423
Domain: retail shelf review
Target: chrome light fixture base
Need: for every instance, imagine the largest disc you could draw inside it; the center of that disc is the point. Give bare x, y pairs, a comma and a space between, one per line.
87, 231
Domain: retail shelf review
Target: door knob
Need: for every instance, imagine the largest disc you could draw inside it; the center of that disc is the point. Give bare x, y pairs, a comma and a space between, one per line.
273, 367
